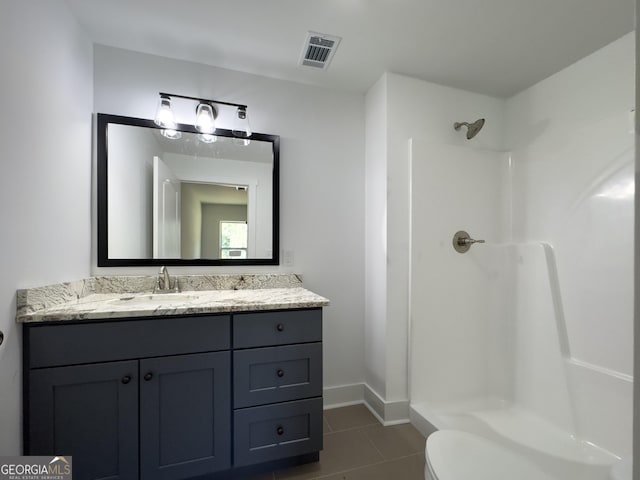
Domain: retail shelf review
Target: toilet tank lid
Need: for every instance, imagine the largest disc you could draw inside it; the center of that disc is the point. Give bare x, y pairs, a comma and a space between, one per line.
457, 455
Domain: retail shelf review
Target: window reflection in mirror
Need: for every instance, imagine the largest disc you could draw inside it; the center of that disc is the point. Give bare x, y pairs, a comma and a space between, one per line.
233, 239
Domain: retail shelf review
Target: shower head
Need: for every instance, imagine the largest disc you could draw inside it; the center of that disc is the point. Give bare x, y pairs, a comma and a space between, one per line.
472, 128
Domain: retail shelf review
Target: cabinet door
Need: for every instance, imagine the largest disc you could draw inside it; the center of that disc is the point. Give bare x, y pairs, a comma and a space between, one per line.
89, 412
185, 408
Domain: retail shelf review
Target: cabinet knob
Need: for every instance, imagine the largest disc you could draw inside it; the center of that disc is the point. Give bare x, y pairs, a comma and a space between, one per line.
280, 431
280, 373
126, 379
148, 376
280, 327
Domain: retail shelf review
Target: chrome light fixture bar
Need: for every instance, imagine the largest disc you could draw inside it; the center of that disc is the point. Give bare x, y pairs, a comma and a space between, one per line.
206, 114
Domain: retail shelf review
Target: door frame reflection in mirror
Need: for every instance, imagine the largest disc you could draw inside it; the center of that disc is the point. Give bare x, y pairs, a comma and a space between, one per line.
103, 259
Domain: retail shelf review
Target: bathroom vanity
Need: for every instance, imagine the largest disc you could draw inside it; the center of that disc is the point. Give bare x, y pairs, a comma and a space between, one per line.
152, 393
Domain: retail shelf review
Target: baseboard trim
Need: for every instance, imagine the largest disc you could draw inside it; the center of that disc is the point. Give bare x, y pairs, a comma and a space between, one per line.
388, 413
343, 396
418, 420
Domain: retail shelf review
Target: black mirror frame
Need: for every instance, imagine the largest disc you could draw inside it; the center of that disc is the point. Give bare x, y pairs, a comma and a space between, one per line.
103, 121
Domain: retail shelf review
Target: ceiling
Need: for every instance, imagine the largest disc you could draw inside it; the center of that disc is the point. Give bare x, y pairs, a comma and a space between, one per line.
495, 47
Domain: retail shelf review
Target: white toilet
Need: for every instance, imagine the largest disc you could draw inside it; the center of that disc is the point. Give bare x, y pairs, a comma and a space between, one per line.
457, 455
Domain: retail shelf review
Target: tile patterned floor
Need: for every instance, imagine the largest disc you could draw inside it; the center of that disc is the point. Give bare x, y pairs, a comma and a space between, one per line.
357, 447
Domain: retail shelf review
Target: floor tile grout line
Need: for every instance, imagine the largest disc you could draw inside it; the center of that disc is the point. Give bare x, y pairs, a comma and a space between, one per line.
328, 424
357, 427
349, 470
368, 430
373, 445
363, 467
404, 455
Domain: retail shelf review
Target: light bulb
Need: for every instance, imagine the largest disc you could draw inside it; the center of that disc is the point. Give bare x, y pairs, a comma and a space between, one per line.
205, 118
164, 115
242, 128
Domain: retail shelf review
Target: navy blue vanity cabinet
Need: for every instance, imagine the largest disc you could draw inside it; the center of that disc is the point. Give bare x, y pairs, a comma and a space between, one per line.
215, 397
130, 399
277, 385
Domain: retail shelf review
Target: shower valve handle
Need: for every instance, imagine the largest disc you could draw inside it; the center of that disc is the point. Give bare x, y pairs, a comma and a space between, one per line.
468, 241
462, 241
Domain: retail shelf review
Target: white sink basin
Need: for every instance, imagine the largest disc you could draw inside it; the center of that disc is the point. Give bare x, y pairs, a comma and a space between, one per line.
155, 299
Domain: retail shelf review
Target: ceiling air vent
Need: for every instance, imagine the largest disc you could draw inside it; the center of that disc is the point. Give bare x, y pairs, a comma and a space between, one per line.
318, 50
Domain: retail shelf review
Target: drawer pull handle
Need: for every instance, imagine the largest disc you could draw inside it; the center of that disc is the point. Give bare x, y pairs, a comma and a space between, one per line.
280, 327
126, 379
280, 373
148, 376
280, 431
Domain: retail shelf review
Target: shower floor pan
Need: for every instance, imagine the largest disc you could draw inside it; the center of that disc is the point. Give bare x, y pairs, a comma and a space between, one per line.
559, 453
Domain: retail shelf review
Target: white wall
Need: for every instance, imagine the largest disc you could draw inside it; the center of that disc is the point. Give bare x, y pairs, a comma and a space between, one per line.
573, 187
130, 192
321, 174
375, 242
46, 171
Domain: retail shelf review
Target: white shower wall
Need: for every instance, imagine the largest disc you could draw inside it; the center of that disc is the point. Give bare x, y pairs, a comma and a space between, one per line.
572, 155
400, 108
563, 176
573, 186
456, 354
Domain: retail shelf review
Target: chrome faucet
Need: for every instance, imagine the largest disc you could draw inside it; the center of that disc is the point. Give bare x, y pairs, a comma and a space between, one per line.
163, 282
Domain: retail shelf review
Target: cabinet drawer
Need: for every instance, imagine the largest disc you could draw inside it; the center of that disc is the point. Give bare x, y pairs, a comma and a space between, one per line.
277, 431
277, 328
53, 345
277, 374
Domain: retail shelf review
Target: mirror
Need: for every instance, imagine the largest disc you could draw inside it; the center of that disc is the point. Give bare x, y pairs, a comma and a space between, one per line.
182, 198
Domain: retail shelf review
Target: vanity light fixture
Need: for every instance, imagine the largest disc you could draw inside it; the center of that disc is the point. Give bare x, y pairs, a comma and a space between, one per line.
242, 128
164, 115
207, 111
205, 118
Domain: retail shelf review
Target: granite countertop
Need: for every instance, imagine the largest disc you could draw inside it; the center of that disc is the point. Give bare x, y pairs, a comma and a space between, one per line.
127, 297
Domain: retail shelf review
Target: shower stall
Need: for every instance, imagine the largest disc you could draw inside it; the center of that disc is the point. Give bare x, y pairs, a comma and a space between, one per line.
527, 339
